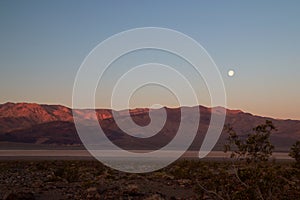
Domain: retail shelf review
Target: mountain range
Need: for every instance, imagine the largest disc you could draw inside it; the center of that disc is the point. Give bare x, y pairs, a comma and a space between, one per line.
54, 125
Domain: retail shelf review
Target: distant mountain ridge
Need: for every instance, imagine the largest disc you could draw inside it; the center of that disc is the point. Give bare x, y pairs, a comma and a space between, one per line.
53, 124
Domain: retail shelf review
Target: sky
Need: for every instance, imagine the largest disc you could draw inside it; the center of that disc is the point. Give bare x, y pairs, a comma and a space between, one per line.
43, 44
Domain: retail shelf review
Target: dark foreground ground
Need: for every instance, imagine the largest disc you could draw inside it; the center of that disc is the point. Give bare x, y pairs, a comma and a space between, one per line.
185, 179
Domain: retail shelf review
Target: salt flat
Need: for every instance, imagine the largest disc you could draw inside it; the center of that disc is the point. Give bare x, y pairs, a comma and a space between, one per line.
84, 154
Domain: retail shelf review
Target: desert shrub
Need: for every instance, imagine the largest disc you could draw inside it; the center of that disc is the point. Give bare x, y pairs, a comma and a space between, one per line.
255, 148
255, 178
269, 181
295, 153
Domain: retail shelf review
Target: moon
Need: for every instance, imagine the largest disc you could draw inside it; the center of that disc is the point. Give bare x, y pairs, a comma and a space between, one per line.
231, 73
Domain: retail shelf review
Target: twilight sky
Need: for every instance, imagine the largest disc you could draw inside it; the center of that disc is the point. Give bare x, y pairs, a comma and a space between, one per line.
43, 43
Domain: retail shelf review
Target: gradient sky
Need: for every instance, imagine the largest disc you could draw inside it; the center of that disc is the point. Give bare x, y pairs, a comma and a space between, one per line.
43, 43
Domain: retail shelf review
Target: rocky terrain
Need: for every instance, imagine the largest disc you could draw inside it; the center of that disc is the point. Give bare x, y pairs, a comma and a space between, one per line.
86, 180
185, 179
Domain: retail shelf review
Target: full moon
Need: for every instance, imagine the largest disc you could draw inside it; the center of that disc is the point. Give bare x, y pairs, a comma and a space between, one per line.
231, 73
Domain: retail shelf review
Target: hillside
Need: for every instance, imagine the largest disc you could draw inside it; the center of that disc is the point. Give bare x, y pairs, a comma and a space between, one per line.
53, 124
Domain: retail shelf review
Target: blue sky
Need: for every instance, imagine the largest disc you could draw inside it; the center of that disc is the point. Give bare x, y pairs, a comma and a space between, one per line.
43, 43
